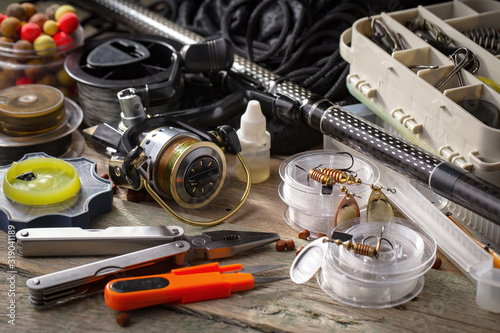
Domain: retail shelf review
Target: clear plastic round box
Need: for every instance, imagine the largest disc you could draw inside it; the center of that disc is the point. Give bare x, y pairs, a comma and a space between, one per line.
307, 206
394, 277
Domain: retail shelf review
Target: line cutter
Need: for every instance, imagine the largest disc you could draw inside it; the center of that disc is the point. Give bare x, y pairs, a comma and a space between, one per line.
91, 278
184, 285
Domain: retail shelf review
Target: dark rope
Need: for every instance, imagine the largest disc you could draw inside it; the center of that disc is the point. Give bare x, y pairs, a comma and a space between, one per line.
296, 39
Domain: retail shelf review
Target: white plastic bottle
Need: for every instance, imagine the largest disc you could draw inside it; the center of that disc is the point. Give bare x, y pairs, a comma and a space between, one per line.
255, 144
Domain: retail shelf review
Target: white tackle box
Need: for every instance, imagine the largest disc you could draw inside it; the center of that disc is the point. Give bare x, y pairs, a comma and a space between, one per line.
407, 99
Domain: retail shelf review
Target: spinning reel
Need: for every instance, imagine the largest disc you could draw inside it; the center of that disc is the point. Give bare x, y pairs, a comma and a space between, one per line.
167, 157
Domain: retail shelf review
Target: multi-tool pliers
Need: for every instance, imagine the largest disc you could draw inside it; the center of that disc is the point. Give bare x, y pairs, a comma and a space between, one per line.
177, 250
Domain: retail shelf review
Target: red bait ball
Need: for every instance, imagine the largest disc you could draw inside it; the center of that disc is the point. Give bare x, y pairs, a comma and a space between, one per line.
23, 80
30, 31
68, 22
61, 39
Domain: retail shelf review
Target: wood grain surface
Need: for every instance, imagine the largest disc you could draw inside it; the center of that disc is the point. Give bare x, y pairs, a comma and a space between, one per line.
446, 303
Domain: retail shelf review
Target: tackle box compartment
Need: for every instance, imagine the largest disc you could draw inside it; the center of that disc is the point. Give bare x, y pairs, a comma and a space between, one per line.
407, 98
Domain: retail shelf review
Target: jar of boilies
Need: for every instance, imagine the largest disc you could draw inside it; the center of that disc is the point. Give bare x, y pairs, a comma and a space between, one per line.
34, 43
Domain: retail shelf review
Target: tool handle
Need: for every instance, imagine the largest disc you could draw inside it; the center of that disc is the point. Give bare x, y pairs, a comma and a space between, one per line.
185, 285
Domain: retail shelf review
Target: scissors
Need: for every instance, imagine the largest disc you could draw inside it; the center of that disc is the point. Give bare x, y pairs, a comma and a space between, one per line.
184, 285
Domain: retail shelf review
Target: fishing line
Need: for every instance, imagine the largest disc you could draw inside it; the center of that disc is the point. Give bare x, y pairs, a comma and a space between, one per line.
101, 105
37, 118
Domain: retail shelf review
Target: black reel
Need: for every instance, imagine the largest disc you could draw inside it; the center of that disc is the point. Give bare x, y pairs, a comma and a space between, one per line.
104, 67
154, 66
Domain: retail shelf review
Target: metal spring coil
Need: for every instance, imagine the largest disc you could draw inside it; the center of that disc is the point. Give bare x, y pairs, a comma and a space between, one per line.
318, 176
363, 249
487, 38
337, 175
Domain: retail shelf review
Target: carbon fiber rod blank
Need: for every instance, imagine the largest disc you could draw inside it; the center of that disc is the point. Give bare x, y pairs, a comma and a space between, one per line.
444, 178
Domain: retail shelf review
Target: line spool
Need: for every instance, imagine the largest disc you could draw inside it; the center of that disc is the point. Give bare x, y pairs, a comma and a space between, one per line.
143, 62
392, 277
36, 118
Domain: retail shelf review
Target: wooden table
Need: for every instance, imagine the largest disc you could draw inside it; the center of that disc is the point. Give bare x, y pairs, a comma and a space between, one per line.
446, 303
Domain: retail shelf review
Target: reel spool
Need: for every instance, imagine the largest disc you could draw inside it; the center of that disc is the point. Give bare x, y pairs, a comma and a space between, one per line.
36, 117
392, 277
43, 191
181, 166
149, 64
307, 206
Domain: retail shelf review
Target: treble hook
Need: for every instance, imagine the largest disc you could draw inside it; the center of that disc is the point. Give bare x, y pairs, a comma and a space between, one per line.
379, 240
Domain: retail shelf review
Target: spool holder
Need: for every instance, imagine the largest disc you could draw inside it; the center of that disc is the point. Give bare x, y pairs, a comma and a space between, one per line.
94, 198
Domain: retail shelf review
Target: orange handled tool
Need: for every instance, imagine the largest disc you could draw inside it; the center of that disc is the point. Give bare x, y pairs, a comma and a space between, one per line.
183, 285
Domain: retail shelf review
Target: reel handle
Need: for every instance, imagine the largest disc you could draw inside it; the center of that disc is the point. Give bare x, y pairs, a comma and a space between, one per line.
211, 56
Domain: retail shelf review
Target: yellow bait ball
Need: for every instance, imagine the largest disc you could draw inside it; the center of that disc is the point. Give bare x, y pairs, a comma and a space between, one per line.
44, 45
50, 27
64, 78
64, 9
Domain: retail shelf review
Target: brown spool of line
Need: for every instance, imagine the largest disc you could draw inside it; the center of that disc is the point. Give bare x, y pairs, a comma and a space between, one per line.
30, 110
36, 118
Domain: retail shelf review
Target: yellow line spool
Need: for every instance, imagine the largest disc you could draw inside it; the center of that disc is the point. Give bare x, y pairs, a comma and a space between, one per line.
41, 181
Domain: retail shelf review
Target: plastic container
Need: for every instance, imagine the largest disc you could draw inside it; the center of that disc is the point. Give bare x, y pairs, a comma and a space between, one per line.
407, 98
394, 276
426, 208
255, 144
308, 207
41, 67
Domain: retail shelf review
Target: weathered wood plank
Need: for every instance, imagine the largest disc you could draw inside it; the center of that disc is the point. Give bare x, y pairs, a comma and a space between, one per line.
280, 306
447, 302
